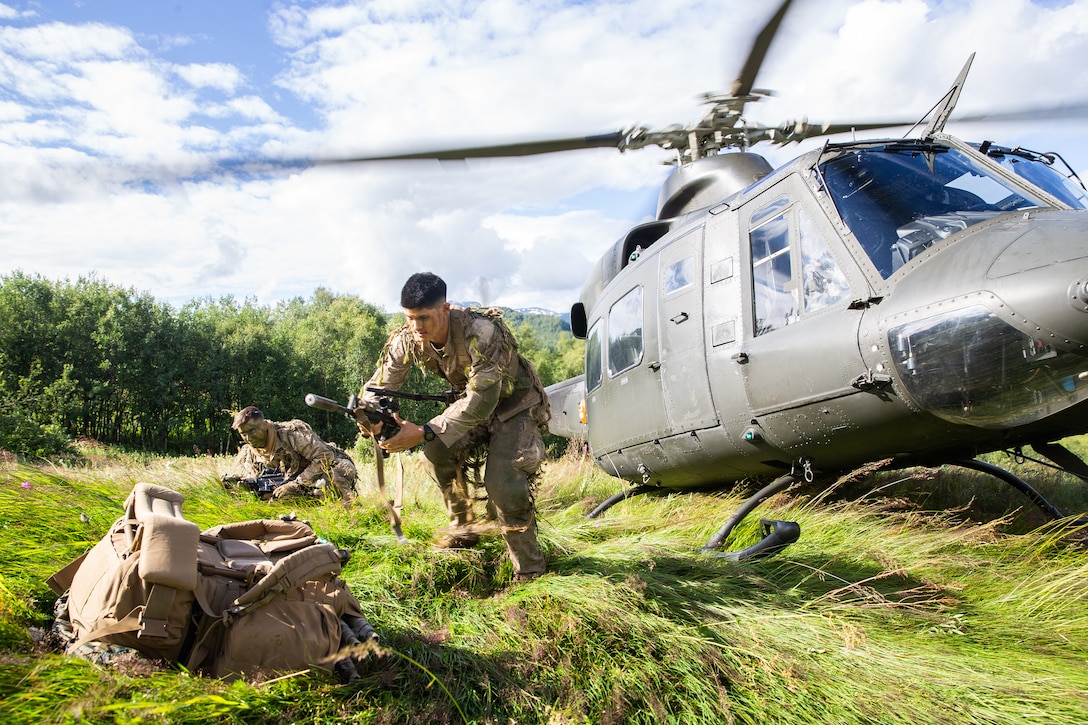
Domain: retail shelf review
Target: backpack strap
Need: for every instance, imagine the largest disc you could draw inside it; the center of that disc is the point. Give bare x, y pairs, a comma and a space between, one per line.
168, 562
128, 623
150, 619
167, 550
290, 572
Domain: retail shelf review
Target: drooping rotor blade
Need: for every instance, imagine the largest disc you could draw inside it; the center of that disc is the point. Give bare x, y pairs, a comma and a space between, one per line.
742, 86
616, 140
1046, 113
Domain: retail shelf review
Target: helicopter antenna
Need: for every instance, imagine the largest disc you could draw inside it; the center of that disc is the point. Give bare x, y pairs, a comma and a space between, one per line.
945, 105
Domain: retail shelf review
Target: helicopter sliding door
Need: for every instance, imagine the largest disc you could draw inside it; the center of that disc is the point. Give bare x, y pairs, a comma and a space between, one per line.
800, 352
684, 383
623, 392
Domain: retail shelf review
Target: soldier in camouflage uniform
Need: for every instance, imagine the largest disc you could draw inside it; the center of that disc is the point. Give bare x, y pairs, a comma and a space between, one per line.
294, 449
503, 407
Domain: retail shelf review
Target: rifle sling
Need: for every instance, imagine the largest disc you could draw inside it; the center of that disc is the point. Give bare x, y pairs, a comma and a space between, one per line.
390, 506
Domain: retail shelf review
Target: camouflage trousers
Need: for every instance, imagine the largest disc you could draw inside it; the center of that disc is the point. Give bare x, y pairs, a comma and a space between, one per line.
515, 451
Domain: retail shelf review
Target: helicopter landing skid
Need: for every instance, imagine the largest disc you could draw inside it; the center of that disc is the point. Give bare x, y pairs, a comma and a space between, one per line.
1048, 509
776, 535
621, 496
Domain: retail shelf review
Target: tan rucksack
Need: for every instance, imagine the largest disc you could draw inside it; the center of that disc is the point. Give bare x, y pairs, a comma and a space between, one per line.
234, 600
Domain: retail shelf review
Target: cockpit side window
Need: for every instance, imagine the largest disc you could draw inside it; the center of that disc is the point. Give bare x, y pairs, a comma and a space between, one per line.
782, 290
594, 363
823, 282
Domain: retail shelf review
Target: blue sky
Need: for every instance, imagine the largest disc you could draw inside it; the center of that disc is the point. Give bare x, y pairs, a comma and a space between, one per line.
108, 110
234, 32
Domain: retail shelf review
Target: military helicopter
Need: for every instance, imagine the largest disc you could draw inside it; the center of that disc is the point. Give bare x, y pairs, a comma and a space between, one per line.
915, 300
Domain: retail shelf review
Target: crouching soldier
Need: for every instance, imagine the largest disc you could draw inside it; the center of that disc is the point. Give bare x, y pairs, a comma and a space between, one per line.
307, 462
504, 408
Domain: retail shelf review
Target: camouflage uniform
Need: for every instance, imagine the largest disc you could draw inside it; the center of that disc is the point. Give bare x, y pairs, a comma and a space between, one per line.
302, 456
503, 407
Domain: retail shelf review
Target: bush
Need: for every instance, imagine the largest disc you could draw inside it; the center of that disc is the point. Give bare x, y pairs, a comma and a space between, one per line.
26, 438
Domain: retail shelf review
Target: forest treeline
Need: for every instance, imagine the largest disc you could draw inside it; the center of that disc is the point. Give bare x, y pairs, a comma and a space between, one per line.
93, 359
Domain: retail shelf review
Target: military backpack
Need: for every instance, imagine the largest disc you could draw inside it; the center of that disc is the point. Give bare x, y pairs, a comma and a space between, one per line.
232, 601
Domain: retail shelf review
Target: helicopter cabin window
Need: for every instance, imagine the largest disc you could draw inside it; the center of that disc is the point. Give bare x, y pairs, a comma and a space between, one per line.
625, 332
678, 275
593, 357
900, 199
781, 295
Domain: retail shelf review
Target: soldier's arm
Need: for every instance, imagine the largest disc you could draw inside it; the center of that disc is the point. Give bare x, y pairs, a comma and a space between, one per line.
392, 369
315, 450
249, 462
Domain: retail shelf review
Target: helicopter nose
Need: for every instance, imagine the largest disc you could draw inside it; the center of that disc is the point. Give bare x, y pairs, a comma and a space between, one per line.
1042, 277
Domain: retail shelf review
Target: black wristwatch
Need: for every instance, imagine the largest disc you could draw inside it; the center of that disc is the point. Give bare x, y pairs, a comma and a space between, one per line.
428, 434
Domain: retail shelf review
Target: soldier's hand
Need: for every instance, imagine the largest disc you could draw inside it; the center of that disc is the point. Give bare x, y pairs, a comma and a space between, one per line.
362, 422
409, 436
365, 426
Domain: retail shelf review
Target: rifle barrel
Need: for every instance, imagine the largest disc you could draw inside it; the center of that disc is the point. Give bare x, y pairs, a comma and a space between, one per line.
322, 403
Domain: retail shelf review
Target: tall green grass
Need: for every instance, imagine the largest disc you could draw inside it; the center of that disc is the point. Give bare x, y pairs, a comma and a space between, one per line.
886, 610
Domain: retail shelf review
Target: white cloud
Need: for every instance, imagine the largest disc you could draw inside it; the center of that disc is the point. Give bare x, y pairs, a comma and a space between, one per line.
90, 107
220, 76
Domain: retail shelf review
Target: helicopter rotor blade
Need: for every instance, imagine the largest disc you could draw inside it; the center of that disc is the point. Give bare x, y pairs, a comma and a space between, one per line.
1046, 113
792, 132
742, 86
616, 139
798, 131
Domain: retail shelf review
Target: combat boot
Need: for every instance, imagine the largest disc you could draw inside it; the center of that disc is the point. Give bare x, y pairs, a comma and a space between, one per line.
457, 539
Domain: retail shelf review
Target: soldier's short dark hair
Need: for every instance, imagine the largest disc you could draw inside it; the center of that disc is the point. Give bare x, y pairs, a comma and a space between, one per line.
246, 414
423, 289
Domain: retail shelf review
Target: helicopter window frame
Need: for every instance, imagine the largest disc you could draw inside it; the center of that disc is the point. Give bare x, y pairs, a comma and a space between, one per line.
626, 323
810, 277
594, 362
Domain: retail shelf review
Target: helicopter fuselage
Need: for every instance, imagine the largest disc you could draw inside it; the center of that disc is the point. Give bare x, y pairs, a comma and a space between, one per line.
912, 300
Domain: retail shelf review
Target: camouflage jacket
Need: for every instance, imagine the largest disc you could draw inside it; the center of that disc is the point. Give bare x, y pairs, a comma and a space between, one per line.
294, 449
480, 360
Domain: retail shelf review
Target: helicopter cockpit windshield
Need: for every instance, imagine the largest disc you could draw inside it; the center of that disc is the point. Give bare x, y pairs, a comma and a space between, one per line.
901, 198
1039, 169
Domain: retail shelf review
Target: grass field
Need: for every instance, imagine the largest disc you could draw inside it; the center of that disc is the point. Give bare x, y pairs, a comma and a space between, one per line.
890, 609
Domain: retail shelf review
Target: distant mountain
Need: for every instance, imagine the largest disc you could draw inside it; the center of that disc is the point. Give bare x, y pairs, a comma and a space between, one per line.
537, 311
548, 326
564, 316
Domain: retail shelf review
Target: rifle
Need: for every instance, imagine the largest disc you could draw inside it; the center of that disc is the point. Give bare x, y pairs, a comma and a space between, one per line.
263, 484
384, 415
